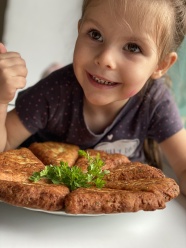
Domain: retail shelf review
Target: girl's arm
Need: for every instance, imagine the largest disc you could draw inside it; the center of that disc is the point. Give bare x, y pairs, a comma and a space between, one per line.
174, 149
16, 132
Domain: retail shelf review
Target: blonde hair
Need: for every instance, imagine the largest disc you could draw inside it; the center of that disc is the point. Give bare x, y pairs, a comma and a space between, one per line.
168, 17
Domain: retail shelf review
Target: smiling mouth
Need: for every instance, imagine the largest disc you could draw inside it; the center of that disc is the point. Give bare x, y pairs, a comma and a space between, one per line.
102, 82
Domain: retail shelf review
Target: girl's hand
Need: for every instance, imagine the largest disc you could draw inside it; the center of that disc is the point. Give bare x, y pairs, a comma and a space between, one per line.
13, 74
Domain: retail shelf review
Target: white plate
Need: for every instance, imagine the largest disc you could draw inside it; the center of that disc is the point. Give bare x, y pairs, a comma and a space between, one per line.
63, 213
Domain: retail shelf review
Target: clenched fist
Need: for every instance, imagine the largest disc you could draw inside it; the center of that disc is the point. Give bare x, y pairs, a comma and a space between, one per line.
13, 74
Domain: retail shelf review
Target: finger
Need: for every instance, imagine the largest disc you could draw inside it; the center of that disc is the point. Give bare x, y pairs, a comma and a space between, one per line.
9, 55
15, 82
18, 70
13, 71
2, 48
19, 82
7, 63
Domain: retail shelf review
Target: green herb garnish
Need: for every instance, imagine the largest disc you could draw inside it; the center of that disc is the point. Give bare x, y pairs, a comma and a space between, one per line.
73, 177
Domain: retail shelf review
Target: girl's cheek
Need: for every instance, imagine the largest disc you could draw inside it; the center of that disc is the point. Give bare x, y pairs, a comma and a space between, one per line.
132, 93
135, 90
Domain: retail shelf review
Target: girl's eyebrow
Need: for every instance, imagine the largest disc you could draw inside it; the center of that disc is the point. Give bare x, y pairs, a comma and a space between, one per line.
142, 39
90, 20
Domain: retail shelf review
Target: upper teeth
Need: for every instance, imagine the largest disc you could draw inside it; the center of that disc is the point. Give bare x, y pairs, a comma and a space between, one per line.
101, 81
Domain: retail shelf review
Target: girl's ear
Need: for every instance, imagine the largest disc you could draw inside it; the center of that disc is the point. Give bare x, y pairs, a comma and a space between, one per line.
164, 66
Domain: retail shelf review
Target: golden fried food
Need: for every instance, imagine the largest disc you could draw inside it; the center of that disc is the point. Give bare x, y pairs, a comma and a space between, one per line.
129, 187
105, 200
55, 152
18, 165
166, 186
133, 170
33, 195
122, 196
110, 160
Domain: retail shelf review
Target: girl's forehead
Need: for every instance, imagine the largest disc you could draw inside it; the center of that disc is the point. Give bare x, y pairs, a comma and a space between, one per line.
141, 11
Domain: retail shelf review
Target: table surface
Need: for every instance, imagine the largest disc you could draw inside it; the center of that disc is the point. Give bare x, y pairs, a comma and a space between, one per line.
23, 228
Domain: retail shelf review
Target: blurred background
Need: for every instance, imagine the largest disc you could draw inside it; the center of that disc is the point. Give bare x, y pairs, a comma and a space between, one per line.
44, 32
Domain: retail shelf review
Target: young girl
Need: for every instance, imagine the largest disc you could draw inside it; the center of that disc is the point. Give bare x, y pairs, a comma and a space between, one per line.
114, 95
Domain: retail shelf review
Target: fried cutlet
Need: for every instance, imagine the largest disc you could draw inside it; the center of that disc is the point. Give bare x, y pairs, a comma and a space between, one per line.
33, 195
122, 196
129, 187
55, 152
110, 160
105, 200
16, 166
133, 170
166, 186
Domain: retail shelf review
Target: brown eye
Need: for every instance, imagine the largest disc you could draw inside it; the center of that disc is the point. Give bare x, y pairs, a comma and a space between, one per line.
132, 48
95, 35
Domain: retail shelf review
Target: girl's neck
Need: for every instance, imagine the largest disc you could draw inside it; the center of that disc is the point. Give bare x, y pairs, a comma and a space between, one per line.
97, 118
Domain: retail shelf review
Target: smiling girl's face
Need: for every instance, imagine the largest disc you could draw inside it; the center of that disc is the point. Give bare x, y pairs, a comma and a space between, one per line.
113, 57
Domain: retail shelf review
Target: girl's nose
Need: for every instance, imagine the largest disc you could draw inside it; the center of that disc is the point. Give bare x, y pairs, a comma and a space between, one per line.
106, 59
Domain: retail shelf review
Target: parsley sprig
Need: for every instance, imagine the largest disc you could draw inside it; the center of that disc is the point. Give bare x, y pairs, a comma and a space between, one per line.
73, 177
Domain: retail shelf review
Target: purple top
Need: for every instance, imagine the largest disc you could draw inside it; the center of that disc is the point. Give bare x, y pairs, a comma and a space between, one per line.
52, 110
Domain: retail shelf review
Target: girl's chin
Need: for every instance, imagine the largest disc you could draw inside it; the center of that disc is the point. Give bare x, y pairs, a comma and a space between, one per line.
96, 101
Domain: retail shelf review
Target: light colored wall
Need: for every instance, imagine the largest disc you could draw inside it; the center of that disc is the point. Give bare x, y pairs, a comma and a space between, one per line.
43, 31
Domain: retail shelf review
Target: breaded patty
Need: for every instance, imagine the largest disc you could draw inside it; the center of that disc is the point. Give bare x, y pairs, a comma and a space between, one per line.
133, 170
123, 196
33, 195
105, 200
18, 165
55, 152
110, 160
166, 186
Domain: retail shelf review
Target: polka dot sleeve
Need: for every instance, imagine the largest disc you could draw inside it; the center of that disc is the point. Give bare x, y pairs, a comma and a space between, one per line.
165, 119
